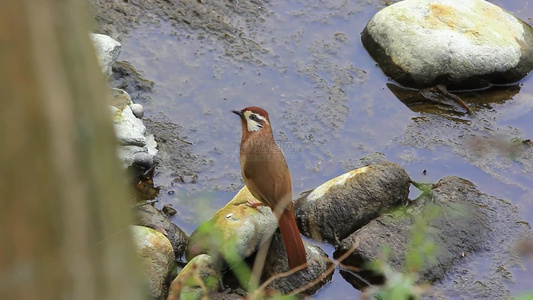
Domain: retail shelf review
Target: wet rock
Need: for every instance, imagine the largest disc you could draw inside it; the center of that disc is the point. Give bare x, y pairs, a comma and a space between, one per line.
107, 51
235, 231
149, 216
143, 183
187, 286
458, 43
460, 221
169, 210
157, 258
276, 262
143, 160
342, 205
127, 78
135, 143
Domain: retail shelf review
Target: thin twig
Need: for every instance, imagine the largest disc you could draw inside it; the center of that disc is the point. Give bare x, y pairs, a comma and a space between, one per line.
277, 276
456, 98
351, 268
329, 270
146, 203
184, 141
259, 264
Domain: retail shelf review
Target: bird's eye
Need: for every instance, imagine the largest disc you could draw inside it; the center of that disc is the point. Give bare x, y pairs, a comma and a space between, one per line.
254, 118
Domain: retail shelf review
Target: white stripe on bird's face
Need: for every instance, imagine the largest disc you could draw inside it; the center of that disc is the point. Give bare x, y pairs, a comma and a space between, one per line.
254, 121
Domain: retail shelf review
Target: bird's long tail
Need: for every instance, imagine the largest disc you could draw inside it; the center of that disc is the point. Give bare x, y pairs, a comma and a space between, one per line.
291, 238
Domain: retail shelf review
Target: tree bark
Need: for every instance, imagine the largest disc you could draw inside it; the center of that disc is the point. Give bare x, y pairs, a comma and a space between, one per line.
64, 210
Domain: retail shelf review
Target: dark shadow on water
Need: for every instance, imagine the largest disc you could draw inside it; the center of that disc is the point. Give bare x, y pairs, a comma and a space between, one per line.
415, 99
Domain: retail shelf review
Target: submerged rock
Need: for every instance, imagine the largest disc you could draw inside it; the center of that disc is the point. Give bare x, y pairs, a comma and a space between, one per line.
458, 43
460, 221
157, 258
342, 205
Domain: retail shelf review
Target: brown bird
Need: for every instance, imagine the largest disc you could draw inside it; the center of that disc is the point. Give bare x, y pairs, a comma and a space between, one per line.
267, 176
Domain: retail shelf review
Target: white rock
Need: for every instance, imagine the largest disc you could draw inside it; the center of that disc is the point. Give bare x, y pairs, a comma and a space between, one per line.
456, 39
151, 145
107, 51
137, 109
130, 131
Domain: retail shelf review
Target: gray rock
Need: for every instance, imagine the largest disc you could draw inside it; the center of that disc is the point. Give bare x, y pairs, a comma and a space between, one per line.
459, 43
157, 258
127, 154
276, 262
460, 221
186, 285
143, 160
342, 205
149, 216
107, 51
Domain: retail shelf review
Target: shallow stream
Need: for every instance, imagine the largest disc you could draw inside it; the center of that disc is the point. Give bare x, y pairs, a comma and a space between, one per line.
329, 104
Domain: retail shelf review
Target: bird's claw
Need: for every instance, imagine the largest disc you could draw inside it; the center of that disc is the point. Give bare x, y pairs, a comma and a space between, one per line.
253, 204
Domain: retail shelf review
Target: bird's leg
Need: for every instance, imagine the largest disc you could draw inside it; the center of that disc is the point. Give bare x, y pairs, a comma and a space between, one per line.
254, 204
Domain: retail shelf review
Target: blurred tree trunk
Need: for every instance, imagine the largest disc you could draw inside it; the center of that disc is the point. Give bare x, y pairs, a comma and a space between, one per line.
64, 211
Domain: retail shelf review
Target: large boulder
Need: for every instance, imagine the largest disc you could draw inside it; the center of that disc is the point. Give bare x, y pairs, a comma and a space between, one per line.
461, 222
236, 231
342, 205
458, 43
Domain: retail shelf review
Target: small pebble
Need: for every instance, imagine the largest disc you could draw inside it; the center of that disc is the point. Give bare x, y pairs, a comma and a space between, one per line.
137, 110
169, 210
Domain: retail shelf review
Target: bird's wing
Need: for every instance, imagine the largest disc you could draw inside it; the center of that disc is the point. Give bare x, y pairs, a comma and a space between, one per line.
268, 178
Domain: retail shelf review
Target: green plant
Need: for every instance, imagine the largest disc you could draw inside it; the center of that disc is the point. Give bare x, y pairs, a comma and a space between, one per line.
404, 284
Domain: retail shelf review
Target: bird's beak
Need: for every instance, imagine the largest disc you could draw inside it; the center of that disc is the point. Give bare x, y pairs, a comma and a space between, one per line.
238, 113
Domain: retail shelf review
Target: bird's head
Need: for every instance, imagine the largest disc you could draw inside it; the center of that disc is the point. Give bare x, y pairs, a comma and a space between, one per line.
253, 119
